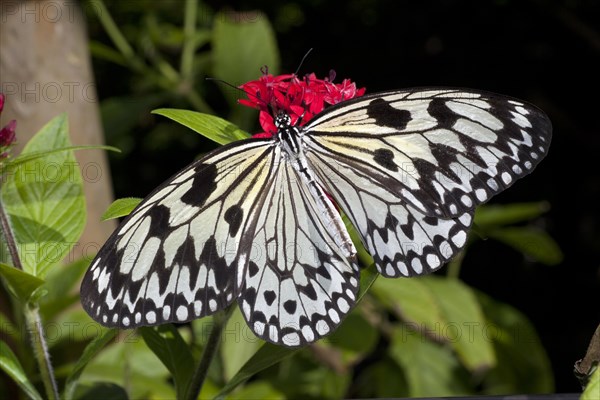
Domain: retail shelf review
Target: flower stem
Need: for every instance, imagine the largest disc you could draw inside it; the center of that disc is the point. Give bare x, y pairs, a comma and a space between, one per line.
208, 354
116, 35
9, 237
40, 350
189, 47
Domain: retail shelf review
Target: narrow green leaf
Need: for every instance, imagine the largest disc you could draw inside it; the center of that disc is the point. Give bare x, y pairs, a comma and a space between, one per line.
270, 354
10, 364
431, 369
121, 208
592, 390
492, 216
522, 363
463, 323
168, 345
530, 241
214, 128
23, 158
21, 284
89, 353
44, 200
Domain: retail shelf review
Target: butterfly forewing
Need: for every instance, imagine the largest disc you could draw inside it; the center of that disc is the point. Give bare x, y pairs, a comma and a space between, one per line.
444, 151
180, 254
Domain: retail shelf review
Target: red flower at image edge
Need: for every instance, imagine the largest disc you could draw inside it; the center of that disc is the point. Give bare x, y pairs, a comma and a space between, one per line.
7, 134
300, 98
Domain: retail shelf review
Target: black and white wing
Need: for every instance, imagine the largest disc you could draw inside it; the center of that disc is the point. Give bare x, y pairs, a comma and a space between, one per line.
409, 166
298, 285
182, 252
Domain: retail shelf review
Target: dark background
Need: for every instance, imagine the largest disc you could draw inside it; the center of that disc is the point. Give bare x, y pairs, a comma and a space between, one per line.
545, 52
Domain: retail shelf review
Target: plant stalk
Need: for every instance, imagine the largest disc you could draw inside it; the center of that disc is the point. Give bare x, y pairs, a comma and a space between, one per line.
9, 237
189, 47
208, 354
40, 350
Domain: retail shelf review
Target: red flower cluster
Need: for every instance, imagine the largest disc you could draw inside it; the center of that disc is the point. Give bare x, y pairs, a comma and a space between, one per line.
300, 98
7, 134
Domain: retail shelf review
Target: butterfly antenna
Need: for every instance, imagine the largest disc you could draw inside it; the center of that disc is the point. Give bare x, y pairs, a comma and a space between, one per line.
236, 88
302, 61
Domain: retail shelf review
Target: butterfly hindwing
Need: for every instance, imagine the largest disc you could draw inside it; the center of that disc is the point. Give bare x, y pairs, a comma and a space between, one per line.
180, 254
298, 285
443, 150
402, 240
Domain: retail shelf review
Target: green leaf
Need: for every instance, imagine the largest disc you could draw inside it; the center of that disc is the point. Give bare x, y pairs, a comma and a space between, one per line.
8, 329
60, 282
168, 345
259, 390
21, 284
270, 354
12, 367
431, 369
214, 128
522, 363
463, 323
592, 390
492, 216
128, 362
411, 301
120, 208
382, 379
44, 200
238, 344
100, 390
242, 39
89, 353
354, 346
530, 241
444, 310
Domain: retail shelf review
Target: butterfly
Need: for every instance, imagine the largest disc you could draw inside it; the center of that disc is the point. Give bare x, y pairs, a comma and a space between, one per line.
258, 221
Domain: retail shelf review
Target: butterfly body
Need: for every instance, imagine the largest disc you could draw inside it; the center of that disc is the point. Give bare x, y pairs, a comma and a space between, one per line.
253, 222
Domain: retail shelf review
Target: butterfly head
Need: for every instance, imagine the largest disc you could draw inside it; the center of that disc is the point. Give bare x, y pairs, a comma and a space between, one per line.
282, 120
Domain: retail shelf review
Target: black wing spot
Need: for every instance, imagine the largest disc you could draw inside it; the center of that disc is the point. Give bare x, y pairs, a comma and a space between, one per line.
233, 216
270, 296
385, 158
252, 268
159, 221
290, 306
205, 182
386, 115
